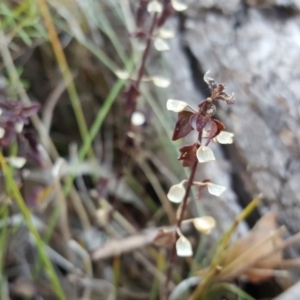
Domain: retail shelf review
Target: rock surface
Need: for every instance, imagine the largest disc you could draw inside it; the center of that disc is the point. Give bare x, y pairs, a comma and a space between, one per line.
253, 48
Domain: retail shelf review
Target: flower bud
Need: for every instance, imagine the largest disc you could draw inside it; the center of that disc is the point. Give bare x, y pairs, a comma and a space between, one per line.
206, 77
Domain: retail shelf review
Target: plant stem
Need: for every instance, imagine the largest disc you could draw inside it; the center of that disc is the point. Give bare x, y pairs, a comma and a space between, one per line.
141, 72
172, 257
146, 51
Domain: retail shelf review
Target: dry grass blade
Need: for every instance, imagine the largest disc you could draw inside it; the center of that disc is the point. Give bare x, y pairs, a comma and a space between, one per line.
157, 236
253, 257
248, 251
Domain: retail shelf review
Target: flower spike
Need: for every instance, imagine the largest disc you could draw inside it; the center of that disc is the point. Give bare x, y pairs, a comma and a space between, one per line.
209, 128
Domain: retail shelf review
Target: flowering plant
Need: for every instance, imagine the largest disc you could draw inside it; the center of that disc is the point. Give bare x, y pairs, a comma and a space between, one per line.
201, 119
209, 129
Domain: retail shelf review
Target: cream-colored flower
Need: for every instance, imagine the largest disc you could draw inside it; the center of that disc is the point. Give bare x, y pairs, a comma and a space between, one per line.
184, 247
176, 105
161, 45
225, 137
204, 154
161, 81
215, 189
166, 33
176, 193
204, 224
154, 6
206, 77
179, 6
16, 161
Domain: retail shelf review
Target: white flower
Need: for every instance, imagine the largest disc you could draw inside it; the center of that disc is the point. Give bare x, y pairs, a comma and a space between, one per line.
161, 45
204, 224
206, 78
225, 137
2, 132
138, 118
161, 82
176, 105
204, 154
166, 33
215, 189
176, 193
122, 74
19, 127
154, 7
16, 161
183, 247
178, 6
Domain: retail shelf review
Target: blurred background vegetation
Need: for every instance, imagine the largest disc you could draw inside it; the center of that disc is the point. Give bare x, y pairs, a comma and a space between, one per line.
77, 223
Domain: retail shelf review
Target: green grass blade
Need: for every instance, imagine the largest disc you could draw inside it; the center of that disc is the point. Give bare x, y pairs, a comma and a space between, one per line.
3, 243
233, 289
15, 193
